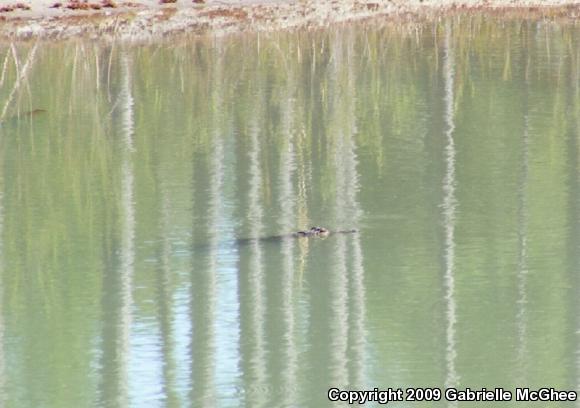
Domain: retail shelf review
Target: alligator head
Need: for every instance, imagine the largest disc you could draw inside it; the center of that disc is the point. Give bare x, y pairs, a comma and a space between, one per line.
314, 232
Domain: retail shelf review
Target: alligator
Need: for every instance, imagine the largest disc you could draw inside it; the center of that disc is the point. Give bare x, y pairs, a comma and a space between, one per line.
314, 232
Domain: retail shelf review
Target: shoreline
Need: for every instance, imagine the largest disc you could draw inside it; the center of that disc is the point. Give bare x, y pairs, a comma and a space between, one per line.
147, 20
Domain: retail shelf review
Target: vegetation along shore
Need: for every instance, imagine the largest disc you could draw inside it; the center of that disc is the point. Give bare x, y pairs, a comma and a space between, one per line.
144, 19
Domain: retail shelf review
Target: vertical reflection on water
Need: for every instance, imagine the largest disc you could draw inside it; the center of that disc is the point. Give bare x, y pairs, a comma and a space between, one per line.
203, 347
357, 324
109, 374
117, 298
356, 290
522, 271
255, 335
340, 116
127, 230
303, 181
287, 202
164, 300
449, 212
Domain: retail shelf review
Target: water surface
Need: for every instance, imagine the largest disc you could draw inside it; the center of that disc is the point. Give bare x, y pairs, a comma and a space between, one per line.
452, 146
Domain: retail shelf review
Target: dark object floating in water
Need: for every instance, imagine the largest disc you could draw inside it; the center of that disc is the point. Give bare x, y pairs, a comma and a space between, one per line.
23, 115
33, 112
314, 232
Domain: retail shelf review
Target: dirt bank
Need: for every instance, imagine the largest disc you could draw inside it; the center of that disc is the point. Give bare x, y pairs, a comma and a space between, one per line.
144, 19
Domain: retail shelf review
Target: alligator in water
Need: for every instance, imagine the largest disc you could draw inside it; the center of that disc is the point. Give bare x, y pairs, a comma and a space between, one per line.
314, 232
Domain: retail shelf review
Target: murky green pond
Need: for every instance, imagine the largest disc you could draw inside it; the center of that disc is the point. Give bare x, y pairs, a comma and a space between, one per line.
453, 147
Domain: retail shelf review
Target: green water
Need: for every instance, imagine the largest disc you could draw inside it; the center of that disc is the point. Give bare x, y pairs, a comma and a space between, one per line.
453, 147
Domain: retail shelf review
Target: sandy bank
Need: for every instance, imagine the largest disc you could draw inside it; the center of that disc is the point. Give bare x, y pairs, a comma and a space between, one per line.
144, 19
